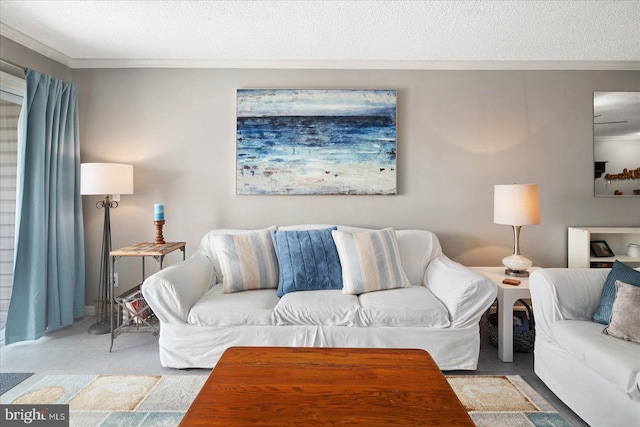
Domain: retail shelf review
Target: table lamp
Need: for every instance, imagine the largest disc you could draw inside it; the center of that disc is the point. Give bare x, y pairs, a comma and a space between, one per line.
105, 179
516, 205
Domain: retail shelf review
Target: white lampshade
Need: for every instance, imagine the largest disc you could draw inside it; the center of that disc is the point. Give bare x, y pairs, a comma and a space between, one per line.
106, 178
516, 204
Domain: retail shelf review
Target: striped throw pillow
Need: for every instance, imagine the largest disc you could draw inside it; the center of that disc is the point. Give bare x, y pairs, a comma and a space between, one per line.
248, 261
370, 261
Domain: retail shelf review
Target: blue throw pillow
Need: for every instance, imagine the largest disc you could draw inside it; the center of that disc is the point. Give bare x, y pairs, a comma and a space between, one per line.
308, 260
621, 272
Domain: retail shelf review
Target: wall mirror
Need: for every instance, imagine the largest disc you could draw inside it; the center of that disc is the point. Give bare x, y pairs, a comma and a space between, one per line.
616, 144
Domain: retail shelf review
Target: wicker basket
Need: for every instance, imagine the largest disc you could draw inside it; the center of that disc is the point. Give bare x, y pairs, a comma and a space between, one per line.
522, 340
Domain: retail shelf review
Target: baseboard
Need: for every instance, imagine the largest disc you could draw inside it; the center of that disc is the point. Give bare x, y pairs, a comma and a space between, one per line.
89, 310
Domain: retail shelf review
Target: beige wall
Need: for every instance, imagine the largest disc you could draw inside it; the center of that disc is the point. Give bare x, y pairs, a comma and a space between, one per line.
459, 134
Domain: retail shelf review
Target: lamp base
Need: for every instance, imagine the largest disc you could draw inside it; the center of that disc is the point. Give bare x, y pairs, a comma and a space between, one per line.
100, 328
516, 273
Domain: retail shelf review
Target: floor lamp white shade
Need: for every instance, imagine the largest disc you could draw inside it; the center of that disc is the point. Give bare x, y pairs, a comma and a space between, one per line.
516, 205
105, 179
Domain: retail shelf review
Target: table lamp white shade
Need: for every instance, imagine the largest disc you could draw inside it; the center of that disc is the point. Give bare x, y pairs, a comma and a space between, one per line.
516, 205
106, 178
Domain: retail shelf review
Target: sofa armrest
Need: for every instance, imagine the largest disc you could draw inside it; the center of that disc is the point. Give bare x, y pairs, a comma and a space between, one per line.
465, 293
564, 294
172, 292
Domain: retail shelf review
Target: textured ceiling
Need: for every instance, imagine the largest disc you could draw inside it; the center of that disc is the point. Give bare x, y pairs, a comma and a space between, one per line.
351, 34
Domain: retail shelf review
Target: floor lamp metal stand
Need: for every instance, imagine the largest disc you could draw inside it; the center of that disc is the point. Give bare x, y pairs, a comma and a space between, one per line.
103, 307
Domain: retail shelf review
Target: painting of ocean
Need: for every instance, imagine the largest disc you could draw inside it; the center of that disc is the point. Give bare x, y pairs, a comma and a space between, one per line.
316, 141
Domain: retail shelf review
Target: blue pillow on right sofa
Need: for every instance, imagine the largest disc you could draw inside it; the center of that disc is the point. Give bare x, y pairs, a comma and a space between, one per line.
621, 272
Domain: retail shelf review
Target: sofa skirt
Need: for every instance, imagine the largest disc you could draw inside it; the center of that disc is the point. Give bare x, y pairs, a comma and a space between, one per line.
189, 346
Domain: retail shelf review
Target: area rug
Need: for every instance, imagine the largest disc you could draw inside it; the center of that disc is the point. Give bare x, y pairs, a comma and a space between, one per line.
10, 380
148, 400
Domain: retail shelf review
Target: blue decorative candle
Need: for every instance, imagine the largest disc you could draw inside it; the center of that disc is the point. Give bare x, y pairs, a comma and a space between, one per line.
158, 212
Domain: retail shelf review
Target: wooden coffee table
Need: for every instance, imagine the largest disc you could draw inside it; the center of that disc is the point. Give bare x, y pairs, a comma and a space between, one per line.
257, 386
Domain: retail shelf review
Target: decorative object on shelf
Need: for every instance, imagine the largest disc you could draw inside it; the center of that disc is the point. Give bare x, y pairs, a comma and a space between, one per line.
625, 174
600, 249
516, 205
316, 141
158, 220
107, 180
633, 250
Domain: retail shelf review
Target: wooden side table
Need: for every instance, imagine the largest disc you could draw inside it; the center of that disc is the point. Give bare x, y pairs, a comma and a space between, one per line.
507, 297
132, 302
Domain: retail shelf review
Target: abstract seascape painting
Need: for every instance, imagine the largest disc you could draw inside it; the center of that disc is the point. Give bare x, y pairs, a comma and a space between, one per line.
316, 141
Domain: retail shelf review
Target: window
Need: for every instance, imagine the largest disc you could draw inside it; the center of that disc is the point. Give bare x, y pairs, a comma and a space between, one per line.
11, 93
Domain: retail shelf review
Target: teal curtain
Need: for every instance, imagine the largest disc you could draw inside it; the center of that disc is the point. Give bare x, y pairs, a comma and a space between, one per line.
48, 281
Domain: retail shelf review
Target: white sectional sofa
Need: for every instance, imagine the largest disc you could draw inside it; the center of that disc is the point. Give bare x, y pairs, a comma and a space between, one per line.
439, 312
596, 375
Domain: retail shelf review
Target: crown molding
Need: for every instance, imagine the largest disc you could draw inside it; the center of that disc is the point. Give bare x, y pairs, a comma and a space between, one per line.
35, 45
359, 64
331, 64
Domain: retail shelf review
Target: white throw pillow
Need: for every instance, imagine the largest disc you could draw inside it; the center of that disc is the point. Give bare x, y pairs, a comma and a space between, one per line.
247, 261
370, 261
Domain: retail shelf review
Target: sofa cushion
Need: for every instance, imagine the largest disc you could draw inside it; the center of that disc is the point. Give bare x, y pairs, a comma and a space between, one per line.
308, 260
248, 261
370, 261
327, 307
625, 315
617, 361
621, 272
414, 306
216, 308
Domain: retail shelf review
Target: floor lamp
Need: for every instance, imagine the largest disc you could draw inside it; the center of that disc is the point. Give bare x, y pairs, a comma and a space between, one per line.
107, 180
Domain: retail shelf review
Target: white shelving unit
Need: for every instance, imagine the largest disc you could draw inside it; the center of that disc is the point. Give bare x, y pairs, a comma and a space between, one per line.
579, 247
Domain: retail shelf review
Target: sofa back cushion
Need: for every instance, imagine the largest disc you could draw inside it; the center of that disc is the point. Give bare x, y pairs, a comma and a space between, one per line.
307, 260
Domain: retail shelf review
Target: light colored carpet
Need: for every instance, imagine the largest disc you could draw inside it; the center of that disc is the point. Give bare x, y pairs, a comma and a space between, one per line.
153, 400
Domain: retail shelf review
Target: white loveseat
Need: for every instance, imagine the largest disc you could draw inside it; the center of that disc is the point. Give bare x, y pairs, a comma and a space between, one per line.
439, 313
596, 375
